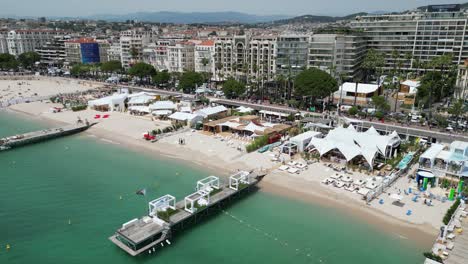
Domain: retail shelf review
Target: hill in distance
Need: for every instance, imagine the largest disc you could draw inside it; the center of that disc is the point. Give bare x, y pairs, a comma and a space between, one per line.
190, 18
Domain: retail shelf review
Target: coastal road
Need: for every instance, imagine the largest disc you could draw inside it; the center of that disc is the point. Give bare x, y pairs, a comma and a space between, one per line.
411, 131
404, 130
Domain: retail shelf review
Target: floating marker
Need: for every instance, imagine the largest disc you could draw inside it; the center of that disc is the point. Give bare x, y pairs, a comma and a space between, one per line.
8, 247
120, 197
69, 221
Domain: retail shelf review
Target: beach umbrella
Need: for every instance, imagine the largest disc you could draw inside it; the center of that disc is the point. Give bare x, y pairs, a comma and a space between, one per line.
396, 196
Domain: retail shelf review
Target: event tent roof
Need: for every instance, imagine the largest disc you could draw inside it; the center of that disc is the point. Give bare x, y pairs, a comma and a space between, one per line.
182, 116
206, 112
163, 105
364, 88
109, 100
352, 143
432, 152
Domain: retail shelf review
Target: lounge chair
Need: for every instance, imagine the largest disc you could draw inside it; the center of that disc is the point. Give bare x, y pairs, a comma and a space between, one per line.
283, 168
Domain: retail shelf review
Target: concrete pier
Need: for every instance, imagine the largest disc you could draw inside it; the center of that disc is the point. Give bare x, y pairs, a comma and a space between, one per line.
42, 135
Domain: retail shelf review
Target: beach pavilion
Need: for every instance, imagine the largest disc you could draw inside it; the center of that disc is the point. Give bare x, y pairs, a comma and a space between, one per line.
446, 161
347, 145
162, 108
115, 102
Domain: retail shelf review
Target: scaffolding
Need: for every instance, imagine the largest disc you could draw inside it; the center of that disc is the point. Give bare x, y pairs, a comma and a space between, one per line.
161, 204
242, 177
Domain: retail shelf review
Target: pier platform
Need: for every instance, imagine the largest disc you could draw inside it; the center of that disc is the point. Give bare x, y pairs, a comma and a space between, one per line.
166, 217
42, 135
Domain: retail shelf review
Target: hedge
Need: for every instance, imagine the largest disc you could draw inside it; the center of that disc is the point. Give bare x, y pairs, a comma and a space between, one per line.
451, 211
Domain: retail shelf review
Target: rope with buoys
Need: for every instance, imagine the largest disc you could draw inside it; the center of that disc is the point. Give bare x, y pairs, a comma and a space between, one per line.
304, 251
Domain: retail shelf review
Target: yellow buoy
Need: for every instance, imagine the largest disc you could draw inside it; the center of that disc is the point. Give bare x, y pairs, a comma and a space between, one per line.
8, 247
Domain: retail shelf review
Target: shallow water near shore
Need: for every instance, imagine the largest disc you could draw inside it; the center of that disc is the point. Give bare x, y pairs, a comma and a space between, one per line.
60, 201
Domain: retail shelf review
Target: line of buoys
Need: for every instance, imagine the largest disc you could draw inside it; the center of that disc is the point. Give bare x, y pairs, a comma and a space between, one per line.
306, 251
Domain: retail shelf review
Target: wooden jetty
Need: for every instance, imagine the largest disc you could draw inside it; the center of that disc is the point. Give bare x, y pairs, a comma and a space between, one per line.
166, 217
42, 135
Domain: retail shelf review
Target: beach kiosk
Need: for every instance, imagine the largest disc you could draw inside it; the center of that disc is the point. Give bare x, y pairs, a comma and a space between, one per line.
424, 177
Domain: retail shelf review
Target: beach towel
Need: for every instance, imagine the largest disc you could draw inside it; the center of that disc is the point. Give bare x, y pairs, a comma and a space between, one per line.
105, 116
97, 116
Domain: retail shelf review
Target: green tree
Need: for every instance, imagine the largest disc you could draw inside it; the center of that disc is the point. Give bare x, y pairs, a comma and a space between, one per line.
233, 88
457, 109
79, 70
314, 83
161, 78
380, 103
8, 62
111, 66
29, 59
373, 61
142, 70
189, 80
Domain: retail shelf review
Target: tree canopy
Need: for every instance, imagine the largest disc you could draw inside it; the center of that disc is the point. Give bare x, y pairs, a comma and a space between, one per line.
161, 78
142, 70
315, 83
111, 66
8, 62
233, 88
79, 69
189, 80
457, 109
29, 59
373, 62
380, 103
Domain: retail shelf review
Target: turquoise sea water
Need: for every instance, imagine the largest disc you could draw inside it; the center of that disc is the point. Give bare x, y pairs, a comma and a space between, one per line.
77, 178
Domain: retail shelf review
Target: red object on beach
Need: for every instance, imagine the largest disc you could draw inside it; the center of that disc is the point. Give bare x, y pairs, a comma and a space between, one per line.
97, 116
105, 116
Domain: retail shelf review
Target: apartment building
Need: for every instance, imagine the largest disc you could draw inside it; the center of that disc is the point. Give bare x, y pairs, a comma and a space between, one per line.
419, 35
337, 54
53, 52
114, 51
230, 56
204, 56
3, 41
21, 41
181, 56
132, 43
261, 57
83, 50
291, 54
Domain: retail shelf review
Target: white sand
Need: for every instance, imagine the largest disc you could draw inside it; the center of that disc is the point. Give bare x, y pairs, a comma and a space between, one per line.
12, 90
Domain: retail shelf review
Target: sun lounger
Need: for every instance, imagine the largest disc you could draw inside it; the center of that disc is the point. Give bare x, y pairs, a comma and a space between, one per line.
335, 176
301, 166
283, 168
450, 245
451, 236
347, 179
339, 184
351, 188
292, 163
293, 170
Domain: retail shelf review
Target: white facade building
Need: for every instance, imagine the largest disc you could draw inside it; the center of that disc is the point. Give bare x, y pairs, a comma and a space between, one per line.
132, 43
204, 56
21, 41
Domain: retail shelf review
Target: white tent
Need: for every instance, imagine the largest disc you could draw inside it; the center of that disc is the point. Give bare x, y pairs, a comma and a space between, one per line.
140, 99
139, 108
115, 102
163, 105
243, 109
253, 127
209, 111
302, 140
351, 143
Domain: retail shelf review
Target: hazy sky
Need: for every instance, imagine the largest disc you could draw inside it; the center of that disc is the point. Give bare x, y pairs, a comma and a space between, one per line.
283, 7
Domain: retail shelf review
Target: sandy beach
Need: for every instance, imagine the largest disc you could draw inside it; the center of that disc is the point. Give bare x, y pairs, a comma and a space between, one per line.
223, 157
